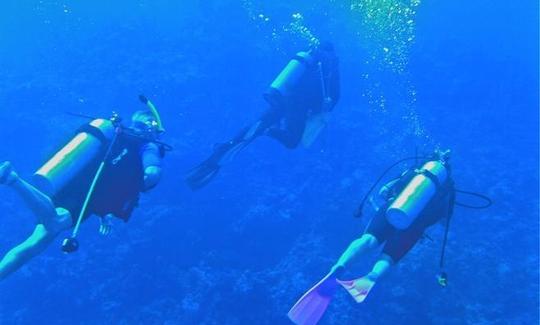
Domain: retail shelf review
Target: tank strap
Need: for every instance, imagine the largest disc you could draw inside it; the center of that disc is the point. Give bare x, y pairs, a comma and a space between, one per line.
301, 59
95, 132
431, 176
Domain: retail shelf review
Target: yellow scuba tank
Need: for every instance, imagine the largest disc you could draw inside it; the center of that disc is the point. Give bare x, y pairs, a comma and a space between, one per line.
74, 156
416, 195
288, 78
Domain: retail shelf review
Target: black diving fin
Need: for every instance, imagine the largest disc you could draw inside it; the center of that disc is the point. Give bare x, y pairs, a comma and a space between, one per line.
224, 153
201, 175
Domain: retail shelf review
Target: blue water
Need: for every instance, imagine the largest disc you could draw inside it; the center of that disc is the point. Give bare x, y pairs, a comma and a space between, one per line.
415, 74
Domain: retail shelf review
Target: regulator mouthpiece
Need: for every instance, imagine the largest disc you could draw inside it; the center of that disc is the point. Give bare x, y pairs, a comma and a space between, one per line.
70, 245
115, 118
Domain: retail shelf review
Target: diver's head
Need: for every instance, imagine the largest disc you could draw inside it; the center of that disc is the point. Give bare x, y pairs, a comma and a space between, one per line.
325, 52
144, 122
442, 155
326, 46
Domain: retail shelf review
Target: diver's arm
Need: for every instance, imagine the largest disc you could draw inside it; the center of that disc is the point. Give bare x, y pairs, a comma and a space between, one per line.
152, 175
151, 161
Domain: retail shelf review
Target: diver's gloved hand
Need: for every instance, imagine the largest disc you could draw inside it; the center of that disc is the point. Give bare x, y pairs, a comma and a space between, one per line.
105, 226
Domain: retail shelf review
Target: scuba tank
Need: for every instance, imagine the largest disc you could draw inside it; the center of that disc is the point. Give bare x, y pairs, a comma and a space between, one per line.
287, 80
67, 163
416, 195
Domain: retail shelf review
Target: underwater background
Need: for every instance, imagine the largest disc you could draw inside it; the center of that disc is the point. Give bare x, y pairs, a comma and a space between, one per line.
416, 75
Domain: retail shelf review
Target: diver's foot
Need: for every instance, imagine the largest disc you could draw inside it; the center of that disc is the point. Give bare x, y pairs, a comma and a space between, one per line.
7, 175
358, 288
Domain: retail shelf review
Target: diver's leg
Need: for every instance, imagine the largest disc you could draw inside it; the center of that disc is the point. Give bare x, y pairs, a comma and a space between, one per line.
22, 253
225, 152
357, 249
39, 203
288, 139
360, 288
270, 118
376, 233
381, 267
290, 134
250, 133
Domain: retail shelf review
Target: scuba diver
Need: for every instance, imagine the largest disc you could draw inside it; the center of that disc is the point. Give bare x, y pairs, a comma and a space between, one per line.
404, 208
300, 99
101, 171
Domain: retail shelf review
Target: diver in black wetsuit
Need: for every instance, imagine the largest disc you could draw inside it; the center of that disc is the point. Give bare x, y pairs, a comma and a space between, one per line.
299, 98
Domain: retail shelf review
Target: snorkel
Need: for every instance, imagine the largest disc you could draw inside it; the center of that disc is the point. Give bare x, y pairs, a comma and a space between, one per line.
154, 112
146, 123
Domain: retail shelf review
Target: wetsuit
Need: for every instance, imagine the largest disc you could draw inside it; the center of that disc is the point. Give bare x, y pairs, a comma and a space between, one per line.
397, 243
120, 184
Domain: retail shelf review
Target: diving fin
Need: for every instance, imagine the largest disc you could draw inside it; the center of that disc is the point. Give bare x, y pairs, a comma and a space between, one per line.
232, 150
358, 288
201, 175
223, 154
309, 309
